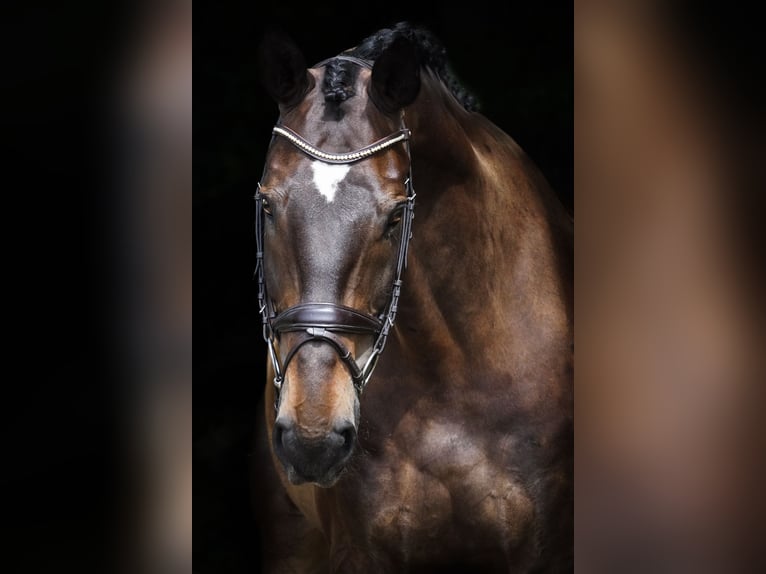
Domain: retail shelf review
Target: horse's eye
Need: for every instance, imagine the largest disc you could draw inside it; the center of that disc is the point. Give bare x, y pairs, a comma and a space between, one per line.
266, 206
395, 218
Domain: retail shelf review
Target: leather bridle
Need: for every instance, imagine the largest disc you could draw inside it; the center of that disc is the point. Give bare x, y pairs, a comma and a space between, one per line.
322, 322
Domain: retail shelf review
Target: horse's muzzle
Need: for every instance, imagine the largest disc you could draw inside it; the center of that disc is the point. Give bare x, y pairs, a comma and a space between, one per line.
313, 459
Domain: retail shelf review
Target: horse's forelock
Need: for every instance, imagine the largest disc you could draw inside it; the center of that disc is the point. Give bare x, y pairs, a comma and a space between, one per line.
339, 80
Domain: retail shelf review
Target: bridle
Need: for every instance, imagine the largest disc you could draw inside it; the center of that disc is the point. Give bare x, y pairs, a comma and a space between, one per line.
321, 322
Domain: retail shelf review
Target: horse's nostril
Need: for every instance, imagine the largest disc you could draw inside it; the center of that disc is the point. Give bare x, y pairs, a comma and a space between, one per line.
280, 428
347, 434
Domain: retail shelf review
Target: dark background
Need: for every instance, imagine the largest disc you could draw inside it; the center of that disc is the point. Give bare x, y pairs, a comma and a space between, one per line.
517, 58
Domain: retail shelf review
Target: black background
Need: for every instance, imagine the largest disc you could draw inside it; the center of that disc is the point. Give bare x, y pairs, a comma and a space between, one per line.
516, 57
59, 420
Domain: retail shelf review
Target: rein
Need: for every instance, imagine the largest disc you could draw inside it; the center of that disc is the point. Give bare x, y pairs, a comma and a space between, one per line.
321, 322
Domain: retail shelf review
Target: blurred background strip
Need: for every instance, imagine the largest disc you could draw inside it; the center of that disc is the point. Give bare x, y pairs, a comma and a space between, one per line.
669, 288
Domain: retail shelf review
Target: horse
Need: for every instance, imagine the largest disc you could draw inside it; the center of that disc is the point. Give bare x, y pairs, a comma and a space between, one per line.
415, 281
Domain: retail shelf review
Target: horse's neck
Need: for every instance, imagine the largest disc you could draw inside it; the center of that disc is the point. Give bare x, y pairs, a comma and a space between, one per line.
486, 259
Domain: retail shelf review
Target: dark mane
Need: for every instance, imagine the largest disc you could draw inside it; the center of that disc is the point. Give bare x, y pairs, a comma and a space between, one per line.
432, 55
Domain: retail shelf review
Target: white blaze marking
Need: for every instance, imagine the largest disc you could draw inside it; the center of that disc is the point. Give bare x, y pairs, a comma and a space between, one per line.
327, 176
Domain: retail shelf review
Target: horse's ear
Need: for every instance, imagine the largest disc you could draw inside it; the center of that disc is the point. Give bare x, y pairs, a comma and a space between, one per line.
282, 69
396, 76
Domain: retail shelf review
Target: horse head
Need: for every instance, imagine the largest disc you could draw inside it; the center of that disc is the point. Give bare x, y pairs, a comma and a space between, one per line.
333, 212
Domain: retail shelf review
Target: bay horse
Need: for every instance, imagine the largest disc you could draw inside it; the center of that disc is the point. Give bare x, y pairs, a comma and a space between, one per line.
421, 413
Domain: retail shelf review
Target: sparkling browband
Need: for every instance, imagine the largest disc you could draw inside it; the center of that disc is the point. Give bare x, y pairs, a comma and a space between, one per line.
350, 157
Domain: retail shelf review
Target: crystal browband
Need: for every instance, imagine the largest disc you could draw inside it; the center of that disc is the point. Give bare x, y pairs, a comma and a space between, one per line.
350, 157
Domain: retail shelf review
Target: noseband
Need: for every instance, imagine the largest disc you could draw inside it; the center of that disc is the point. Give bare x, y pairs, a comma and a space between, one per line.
322, 322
